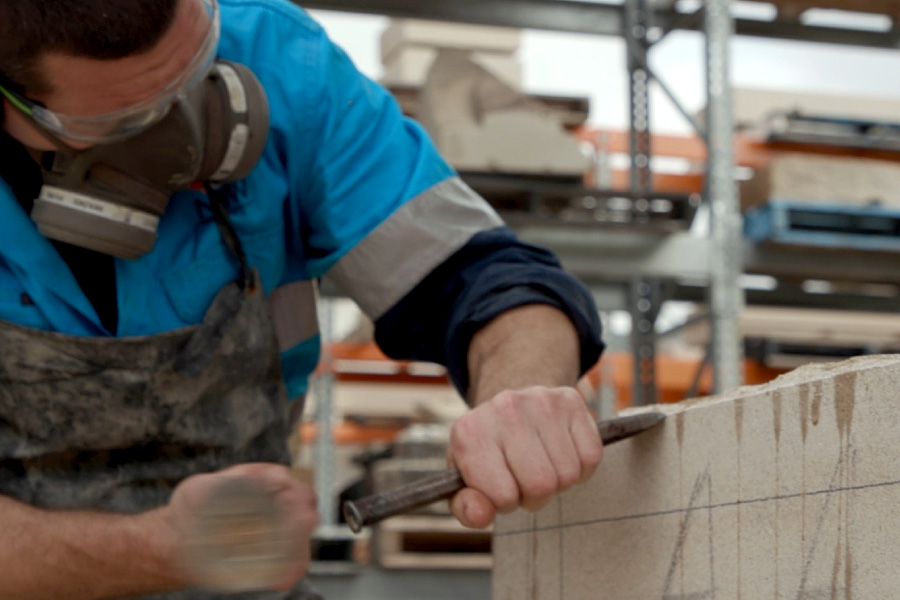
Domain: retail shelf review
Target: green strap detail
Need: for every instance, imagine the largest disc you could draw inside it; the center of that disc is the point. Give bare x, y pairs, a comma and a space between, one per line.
15, 101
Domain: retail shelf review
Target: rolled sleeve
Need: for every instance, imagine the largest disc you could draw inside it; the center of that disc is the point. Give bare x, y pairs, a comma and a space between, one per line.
493, 273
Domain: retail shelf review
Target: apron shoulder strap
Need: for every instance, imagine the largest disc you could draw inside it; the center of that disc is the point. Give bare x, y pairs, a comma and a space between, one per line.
217, 198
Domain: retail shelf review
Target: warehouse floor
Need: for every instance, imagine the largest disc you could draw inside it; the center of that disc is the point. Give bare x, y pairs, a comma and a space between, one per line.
374, 583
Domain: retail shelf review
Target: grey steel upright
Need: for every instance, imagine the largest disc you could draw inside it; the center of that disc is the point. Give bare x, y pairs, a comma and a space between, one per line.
324, 444
726, 295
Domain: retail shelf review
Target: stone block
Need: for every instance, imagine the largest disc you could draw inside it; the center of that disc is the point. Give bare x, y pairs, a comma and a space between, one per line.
785, 491
752, 105
815, 179
409, 66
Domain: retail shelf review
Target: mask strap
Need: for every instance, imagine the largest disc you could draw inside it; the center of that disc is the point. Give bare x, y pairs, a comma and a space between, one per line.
217, 197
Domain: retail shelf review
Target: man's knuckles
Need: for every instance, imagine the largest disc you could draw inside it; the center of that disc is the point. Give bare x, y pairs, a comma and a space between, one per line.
592, 456
509, 408
466, 433
569, 475
505, 500
543, 486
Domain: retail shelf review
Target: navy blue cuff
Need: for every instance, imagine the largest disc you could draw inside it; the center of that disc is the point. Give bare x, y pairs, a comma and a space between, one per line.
493, 273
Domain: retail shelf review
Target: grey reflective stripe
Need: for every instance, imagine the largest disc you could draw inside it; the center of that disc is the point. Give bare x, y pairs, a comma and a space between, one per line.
294, 313
418, 237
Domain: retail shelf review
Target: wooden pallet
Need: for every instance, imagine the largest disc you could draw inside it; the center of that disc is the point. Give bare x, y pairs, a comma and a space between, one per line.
831, 226
426, 542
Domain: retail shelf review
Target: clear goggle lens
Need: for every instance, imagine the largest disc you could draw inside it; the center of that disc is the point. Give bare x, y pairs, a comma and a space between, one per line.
123, 123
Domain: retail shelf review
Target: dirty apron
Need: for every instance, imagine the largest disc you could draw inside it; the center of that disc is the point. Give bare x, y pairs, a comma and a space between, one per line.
116, 424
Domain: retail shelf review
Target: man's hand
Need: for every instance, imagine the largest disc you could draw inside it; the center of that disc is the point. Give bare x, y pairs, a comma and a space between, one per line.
91, 555
530, 434
296, 501
520, 448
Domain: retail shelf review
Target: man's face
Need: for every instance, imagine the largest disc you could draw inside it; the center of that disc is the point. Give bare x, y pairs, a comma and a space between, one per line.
85, 87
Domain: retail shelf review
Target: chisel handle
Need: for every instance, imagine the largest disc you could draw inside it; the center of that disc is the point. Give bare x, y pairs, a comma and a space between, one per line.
426, 490
374, 508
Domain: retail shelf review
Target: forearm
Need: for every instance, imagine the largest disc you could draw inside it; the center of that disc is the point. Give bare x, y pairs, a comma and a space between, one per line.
83, 555
527, 346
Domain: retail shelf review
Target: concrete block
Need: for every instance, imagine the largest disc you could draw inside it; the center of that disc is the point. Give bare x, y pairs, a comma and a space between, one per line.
815, 179
785, 491
409, 66
481, 123
753, 104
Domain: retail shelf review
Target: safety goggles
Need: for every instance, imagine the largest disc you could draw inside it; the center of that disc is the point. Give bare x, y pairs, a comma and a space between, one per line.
123, 123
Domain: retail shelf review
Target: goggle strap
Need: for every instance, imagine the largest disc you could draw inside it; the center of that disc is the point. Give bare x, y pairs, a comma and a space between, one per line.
15, 101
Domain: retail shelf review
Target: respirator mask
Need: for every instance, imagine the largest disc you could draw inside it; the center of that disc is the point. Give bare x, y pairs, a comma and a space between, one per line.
209, 126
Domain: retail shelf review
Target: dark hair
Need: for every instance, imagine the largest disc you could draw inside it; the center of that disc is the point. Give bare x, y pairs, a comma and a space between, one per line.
100, 29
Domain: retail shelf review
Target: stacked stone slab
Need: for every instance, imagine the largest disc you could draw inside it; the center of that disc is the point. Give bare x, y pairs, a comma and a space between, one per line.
811, 179
409, 48
790, 490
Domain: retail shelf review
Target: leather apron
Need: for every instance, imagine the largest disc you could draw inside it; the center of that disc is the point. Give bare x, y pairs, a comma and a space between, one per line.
115, 424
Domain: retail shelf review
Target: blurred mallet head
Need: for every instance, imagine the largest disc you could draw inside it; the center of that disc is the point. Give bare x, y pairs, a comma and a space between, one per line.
239, 542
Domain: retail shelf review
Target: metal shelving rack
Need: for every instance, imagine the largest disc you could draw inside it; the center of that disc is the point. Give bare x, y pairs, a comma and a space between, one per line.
641, 27
651, 267
599, 18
